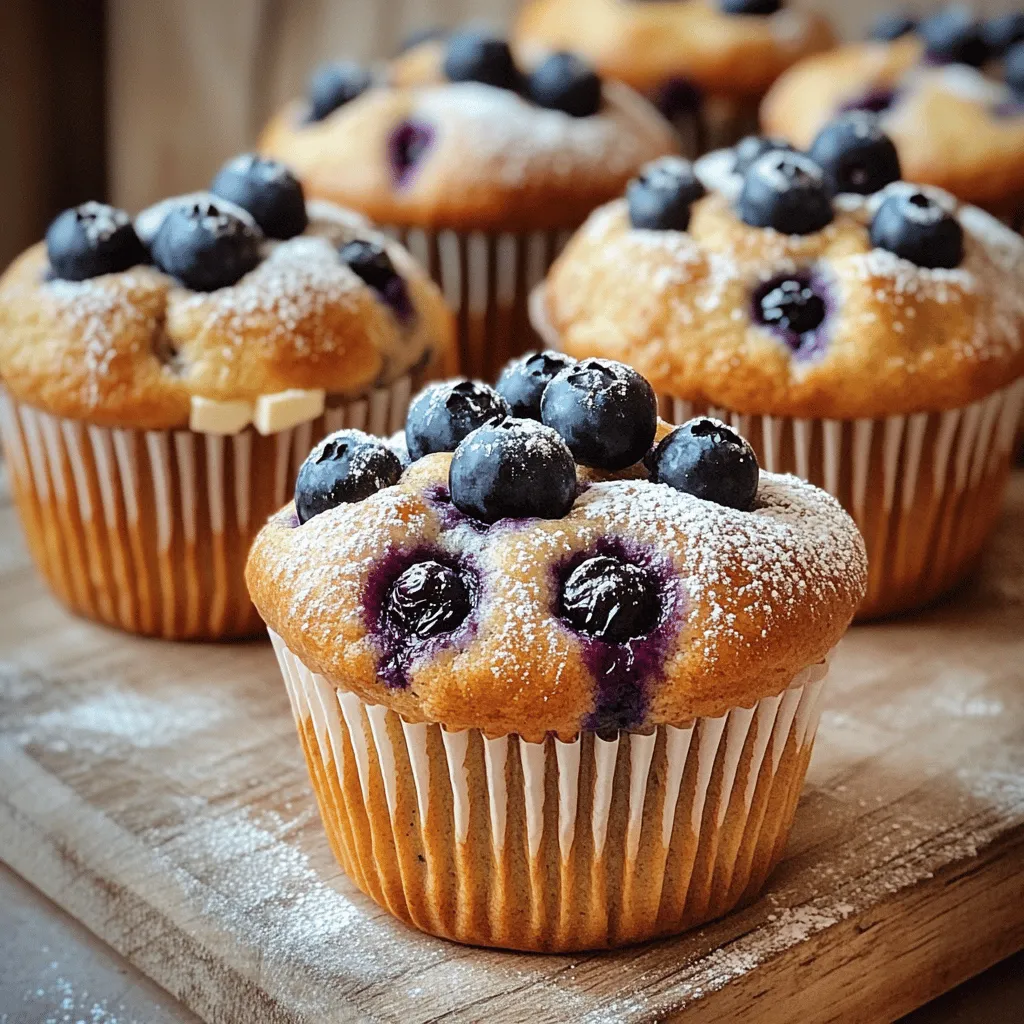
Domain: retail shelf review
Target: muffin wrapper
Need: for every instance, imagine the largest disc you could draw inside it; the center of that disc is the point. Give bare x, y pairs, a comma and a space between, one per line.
149, 530
555, 845
486, 280
925, 489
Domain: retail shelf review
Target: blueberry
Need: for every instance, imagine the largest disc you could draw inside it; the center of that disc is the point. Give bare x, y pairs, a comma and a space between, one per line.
1013, 70
407, 145
856, 153
606, 412
346, 466
703, 457
610, 600
786, 191
268, 190
428, 34
206, 245
333, 85
568, 83
914, 226
792, 308
371, 263
427, 599
750, 148
874, 101
892, 25
442, 414
953, 36
660, 197
473, 57
90, 240
677, 98
523, 381
750, 6
1002, 32
515, 469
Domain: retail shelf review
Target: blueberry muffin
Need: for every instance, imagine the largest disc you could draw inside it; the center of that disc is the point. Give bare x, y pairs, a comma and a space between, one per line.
705, 64
949, 91
867, 339
557, 682
481, 167
162, 379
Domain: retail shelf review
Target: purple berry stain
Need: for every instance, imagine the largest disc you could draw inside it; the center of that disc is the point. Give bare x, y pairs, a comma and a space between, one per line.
407, 144
795, 308
874, 100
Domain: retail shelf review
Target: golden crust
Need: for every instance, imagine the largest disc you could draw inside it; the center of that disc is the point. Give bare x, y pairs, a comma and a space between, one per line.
751, 599
494, 163
900, 339
132, 348
647, 45
943, 124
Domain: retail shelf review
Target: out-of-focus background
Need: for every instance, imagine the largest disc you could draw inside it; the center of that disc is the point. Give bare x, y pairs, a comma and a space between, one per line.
132, 100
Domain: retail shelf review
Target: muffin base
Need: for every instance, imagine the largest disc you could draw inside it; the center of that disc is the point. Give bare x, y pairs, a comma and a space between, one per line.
925, 490
148, 530
555, 846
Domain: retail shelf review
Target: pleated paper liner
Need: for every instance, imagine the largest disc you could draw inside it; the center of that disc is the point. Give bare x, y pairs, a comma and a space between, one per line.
555, 846
925, 489
148, 530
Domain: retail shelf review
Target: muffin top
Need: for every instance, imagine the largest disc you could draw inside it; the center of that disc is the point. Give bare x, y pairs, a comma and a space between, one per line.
955, 125
212, 312
458, 136
521, 584
751, 284
733, 48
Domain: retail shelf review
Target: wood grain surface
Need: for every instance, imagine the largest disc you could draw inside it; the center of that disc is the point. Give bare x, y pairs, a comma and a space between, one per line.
157, 792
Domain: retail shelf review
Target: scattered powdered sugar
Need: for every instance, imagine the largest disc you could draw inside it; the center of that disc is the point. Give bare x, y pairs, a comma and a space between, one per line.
150, 220
100, 221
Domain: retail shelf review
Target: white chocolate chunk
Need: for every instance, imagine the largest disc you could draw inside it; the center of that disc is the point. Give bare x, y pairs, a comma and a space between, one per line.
209, 416
286, 409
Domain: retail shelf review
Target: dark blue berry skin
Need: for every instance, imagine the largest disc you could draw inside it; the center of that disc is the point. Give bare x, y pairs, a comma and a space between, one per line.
788, 192
892, 25
333, 85
611, 600
473, 57
912, 225
791, 307
1013, 70
856, 154
428, 599
442, 414
703, 457
660, 197
515, 469
606, 412
92, 239
953, 36
750, 6
205, 245
347, 466
752, 147
268, 190
566, 82
523, 381
1002, 32
371, 263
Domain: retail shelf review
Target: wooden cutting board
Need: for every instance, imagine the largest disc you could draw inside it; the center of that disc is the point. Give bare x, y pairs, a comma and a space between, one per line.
158, 794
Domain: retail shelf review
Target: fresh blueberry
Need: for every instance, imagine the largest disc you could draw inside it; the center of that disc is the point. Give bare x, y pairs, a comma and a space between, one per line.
750, 148
90, 240
442, 414
566, 82
703, 457
856, 153
333, 85
792, 308
206, 244
1013, 70
660, 197
427, 599
913, 225
610, 600
786, 191
606, 412
523, 381
429, 34
750, 6
407, 145
346, 466
473, 57
268, 190
1002, 32
892, 25
953, 36
515, 469
874, 101
371, 263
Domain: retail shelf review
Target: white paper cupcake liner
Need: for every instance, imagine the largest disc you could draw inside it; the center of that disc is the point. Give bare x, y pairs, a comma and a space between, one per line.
148, 530
555, 845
